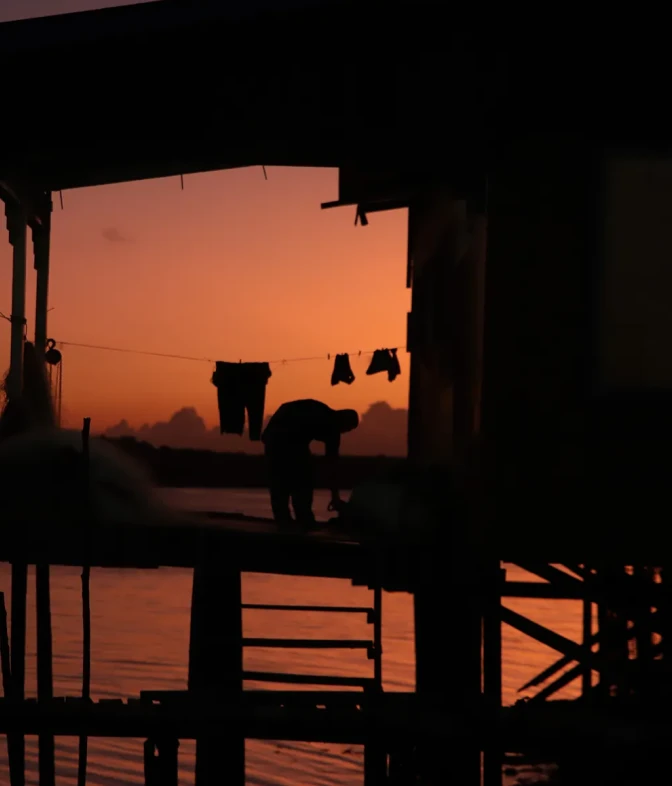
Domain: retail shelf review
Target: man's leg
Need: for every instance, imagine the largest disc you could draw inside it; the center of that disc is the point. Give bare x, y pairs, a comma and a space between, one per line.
280, 504
279, 487
302, 492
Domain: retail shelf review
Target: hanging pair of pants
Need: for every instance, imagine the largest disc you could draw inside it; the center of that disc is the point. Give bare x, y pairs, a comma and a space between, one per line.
290, 476
240, 387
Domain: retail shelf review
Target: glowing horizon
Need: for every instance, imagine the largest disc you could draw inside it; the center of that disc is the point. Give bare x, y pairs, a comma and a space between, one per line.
233, 267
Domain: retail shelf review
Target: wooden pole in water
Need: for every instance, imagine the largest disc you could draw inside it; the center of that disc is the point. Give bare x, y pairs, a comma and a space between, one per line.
493, 580
45, 680
45, 686
17, 226
587, 635
216, 664
375, 755
4, 650
86, 616
15, 772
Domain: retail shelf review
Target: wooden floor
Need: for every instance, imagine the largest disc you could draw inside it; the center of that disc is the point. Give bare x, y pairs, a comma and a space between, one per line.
343, 717
251, 544
366, 557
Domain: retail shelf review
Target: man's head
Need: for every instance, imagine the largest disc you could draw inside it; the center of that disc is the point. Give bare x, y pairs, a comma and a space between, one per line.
348, 420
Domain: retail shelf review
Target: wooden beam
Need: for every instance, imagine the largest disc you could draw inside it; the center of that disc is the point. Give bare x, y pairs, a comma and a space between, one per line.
544, 635
45, 687
216, 665
30, 201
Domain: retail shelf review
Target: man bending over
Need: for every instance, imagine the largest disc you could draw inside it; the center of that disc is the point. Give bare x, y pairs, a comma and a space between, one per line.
287, 441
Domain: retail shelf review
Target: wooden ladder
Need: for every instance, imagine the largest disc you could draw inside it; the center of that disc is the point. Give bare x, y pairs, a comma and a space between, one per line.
373, 646
375, 756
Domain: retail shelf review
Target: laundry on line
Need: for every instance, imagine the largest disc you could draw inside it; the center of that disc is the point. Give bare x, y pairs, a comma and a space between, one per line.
241, 387
342, 371
196, 359
385, 360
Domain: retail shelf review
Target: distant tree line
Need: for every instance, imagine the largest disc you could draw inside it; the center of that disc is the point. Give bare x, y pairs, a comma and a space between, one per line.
186, 468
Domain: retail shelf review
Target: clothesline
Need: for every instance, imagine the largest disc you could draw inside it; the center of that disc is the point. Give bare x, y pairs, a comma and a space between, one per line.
326, 356
148, 353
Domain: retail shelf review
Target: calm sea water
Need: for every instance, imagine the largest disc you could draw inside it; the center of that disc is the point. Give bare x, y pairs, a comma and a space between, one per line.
140, 638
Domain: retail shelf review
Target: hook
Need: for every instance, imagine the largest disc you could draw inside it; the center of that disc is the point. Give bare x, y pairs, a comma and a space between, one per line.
328, 356
51, 344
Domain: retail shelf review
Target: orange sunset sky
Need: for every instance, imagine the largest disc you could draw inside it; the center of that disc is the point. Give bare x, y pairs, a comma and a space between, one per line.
232, 267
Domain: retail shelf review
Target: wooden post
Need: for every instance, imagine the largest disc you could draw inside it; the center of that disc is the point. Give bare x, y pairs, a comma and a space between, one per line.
16, 224
375, 755
161, 763
492, 668
86, 614
4, 650
216, 666
150, 762
45, 687
613, 629
444, 340
16, 774
42, 247
168, 763
587, 635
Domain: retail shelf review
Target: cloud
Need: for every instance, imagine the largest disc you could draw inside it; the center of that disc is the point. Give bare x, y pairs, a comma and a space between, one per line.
382, 431
114, 235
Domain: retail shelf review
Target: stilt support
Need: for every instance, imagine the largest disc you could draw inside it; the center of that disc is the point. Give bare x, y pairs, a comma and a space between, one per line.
17, 225
216, 666
161, 762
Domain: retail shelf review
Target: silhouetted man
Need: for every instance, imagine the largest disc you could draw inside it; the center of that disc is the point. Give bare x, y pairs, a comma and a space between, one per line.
287, 441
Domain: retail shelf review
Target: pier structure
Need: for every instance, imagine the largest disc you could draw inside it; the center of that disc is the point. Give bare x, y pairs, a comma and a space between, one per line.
537, 190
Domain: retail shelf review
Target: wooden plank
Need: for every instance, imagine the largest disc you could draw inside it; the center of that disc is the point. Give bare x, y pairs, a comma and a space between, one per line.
309, 644
327, 609
306, 679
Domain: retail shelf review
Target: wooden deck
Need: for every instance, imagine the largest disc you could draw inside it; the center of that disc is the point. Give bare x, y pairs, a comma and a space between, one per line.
343, 717
257, 545
251, 544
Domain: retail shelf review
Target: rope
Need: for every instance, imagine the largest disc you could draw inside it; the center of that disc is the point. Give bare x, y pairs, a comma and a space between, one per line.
196, 359
326, 356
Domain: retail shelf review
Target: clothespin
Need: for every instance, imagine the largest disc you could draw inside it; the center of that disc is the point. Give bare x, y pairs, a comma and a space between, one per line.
360, 217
